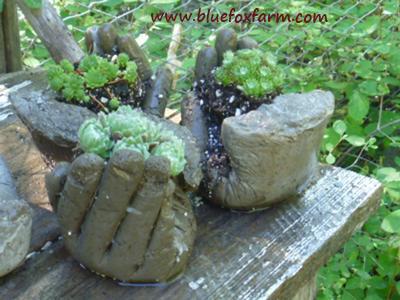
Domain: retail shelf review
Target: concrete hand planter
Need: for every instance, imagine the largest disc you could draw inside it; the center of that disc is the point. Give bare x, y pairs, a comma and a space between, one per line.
15, 224
116, 73
257, 148
122, 205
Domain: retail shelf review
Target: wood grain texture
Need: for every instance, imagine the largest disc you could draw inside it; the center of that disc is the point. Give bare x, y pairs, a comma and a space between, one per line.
308, 291
52, 31
12, 44
268, 254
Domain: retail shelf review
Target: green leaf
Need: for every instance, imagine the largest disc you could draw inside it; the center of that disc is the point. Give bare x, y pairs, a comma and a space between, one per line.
330, 159
31, 62
112, 3
387, 262
335, 85
353, 283
1, 5
373, 88
358, 106
393, 189
398, 287
331, 137
363, 68
377, 282
390, 8
34, 4
387, 174
397, 160
163, 1
355, 140
340, 127
40, 52
368, 26
391, 223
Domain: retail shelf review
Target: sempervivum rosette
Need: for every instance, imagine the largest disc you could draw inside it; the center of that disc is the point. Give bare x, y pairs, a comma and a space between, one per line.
258, 147
122, 204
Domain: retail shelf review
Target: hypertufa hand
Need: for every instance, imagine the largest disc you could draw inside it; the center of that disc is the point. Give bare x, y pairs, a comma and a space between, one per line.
105, 40
126, 219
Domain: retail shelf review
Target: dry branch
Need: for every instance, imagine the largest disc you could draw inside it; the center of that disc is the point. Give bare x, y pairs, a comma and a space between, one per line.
52, 31
172, 61
11, 37
3, 65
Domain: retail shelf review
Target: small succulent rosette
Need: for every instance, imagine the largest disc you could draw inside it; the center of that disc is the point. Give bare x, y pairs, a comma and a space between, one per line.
258, 147
116, 72
122, 205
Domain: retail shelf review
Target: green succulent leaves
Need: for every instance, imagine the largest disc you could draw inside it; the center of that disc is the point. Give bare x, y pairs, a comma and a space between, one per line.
127, 128
92, 73
94, 138
254, 72
174, 150
123, 60
131, 72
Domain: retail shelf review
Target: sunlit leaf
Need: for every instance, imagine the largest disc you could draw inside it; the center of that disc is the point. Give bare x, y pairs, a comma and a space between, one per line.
391, 223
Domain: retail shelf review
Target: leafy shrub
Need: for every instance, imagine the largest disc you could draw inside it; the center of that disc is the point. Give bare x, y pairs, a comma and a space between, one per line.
254, 72
93, 72
131, 129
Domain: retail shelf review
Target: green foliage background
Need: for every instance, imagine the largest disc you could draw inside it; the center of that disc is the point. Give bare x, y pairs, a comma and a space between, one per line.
356, 55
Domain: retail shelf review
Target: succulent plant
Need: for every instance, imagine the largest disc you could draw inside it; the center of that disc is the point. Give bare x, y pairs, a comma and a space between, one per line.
254, 72
94, 138
93, 72
128, 128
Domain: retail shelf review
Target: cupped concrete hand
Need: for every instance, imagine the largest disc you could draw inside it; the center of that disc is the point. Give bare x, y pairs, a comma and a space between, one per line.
105, 40
272, 150
125, 218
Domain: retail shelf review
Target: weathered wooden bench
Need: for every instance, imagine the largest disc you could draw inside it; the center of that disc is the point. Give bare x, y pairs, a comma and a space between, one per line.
272, 254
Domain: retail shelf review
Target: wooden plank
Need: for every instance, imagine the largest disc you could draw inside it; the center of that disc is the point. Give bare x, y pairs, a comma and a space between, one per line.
52, 31
13, 52
308, 291
173, 115
268, 254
